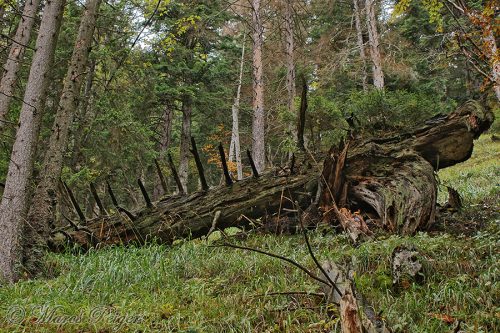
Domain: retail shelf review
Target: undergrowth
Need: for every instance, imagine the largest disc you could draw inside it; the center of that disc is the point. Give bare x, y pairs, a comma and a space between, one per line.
194, 286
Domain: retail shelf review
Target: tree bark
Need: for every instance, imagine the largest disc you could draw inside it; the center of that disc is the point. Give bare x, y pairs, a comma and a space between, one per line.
15, 57
361, 44
166, 136
187, 109
290, 67
389, 180
43, 208
84, 118
234, 148
16, 195
301, 124
258, 117
371, 19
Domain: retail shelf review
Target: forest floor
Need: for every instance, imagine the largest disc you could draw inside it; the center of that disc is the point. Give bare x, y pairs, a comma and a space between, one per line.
195, 287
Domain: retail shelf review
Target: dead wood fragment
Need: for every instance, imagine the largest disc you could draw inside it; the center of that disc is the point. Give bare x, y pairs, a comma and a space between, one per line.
454, 199
406, 265
356, 314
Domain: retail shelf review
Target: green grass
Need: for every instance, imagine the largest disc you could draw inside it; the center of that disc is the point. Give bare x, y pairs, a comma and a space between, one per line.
193, 287
478, 178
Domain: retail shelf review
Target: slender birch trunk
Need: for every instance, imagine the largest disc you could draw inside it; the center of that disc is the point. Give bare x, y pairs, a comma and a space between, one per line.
371, 19
42, 212
258, 118
15, 199
234, 149
187, 110
290, 67
15, 57
361, 44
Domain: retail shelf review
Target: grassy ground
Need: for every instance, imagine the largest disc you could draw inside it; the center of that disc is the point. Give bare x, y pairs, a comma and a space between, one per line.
194, 287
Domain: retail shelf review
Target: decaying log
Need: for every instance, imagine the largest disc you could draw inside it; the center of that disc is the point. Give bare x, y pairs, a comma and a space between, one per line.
385, 182
192, 216
391, 181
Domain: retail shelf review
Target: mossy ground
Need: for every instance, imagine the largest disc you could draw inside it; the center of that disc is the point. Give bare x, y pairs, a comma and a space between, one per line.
194, 287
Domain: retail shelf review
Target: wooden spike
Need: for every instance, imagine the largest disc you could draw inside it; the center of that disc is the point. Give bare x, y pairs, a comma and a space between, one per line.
199, 166
292, 164
129, 214
93, 190
229, 181
252, 164
75, 203
144, 194
111, 194
115, 203
176, 176
161, 176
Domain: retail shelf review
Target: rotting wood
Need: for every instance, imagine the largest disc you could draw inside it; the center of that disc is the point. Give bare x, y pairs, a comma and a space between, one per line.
391, 181
379, 182
193, 215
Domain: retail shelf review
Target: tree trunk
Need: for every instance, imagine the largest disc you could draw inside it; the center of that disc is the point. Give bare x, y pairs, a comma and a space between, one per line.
187, 109
166, 136
15, 57
390, 180
290, 67
258, 118
234, 148
301, 125
16, 195
193, 216
371, 19
42, 211
84, 118
361, 44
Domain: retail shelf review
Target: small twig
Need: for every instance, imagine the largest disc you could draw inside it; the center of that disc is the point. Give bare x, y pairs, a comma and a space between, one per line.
294, 263
309, 248
291, 293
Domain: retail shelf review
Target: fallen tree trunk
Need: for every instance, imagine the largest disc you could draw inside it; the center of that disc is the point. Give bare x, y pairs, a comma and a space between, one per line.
387, 182
391, 181
242, 203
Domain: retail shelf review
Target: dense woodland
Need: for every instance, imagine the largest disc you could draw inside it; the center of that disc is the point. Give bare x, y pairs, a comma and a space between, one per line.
108, 109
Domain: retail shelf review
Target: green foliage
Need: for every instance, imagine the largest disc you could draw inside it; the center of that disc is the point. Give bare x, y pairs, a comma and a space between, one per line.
382, 112
433, 7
